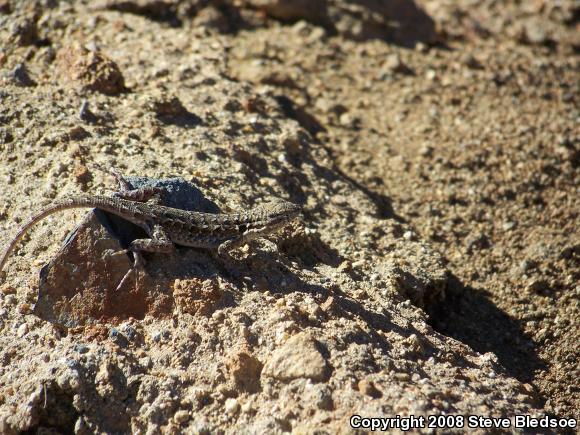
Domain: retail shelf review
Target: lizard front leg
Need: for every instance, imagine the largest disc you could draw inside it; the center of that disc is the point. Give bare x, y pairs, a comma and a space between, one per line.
159, 242
225, 247
127, 191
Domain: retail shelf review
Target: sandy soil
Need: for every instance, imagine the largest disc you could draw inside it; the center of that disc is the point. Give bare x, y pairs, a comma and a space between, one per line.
433, 145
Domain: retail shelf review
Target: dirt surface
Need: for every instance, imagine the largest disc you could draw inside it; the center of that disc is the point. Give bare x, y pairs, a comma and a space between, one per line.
434, 147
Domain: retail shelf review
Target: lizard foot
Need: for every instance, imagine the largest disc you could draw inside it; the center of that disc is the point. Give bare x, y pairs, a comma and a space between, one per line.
138, 268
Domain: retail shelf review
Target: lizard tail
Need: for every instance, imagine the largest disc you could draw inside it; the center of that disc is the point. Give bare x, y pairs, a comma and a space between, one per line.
77, 201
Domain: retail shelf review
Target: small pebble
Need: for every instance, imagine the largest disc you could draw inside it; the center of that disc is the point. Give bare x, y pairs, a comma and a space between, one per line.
22, 330
130, 332
345, 266
431, 75
401, 376
368, 388
81, 348
232, 406
181, 416
19, 76
394, 65
218, 316
507, 226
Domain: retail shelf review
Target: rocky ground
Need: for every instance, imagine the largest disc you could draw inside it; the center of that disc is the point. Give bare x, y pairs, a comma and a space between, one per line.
434, 149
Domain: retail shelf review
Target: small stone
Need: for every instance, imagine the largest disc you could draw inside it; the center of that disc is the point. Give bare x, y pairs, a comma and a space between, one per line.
181, 416
421, 47
294, 143
413, 343
245, 370
476, 242
247, 407
232, 406
19, 76
408, 235
299, 357
22, 330
327, 304
345, 120
359, 264
368, 388
431, 75
401, 377
81, 426
77, 133
345, 266
394, 65
535, 33
538, 286
320, 395
218, 316
91, 70
146, 362
325, 105
85, 113
507, 226
427, 151
81, 348
471, 62
8, 290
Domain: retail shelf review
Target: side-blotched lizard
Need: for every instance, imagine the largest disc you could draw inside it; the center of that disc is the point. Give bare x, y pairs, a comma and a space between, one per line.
167, 226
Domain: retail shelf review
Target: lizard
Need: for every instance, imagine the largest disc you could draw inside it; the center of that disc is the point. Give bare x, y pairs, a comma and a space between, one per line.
168, 226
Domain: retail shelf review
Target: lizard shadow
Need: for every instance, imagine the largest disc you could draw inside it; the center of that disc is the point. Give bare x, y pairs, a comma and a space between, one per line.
302, 155
280, 277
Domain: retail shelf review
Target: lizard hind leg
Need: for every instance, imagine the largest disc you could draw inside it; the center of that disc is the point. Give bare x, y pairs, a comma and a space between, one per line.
137, 269
159, 242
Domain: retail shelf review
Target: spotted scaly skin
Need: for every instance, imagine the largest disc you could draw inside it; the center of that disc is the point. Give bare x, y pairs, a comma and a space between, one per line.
167, 226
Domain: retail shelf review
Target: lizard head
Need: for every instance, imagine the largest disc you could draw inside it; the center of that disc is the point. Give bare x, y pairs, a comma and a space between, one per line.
279, 212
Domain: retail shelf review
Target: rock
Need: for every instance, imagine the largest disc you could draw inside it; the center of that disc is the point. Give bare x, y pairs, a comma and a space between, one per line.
181, 416
22, 330
90, 70
535, 32
345, 266
245, 370
299, 357
394, 65
320, 395
368, 388
20, 76
422, 278
212, 17
81, 348
232, 406
10, 300
508, 226
96, 273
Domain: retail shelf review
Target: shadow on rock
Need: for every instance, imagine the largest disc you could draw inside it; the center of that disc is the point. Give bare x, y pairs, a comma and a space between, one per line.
399, 21
469, 316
